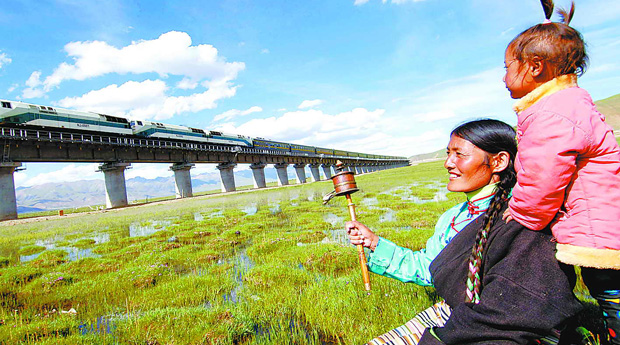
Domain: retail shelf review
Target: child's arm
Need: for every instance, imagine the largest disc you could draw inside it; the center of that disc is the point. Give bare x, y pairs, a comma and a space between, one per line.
546, 161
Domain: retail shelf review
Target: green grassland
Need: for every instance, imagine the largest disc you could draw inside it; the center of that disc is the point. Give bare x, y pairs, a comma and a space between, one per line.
264, 267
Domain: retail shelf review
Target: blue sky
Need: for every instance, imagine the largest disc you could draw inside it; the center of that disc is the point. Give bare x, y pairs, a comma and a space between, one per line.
378, 76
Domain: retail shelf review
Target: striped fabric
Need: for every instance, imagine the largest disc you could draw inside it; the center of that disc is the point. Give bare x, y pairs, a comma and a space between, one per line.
411, 332
435, 316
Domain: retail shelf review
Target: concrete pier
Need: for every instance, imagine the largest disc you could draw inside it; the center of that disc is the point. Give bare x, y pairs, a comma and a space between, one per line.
258, 171
8, 204
300, 172
115, 189
282, 173
327, 171
314, 172
227, 176
182, 179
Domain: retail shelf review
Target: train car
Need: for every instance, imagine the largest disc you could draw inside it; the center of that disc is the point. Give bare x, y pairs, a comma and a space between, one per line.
22, 114
261, 143
303, 149
324, 151
230, 139
160, 130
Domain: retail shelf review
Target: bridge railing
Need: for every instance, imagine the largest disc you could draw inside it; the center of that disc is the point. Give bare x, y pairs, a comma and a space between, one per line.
98, 139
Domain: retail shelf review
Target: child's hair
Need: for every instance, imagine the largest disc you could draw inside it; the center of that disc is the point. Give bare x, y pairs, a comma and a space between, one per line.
561, 46
491, 136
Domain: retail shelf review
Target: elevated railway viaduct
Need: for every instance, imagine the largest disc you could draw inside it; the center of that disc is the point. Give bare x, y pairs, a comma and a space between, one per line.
115, 153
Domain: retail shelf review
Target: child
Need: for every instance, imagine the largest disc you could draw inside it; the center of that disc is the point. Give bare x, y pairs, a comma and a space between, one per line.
568, 162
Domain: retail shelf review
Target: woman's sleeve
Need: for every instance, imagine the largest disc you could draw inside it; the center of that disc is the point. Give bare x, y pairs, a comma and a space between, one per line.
406, 265
524, 296
547, 160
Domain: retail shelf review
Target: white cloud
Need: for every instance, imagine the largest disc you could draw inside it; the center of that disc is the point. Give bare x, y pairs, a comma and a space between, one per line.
147, 100
310, 103
34, 80
171, 53
187, 84
230, 114
71, 172
12, 88
311, 127
359, 130
4, 59
264, 51
360, 2
479, 95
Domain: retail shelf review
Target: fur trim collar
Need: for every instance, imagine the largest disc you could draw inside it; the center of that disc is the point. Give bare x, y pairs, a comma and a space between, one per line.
552, 86
588, 257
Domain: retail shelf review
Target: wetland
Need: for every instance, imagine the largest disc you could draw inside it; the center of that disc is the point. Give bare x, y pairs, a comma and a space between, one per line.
269, 266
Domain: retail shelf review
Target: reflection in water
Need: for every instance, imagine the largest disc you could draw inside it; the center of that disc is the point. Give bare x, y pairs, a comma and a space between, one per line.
333, 219
250, 210
73, 253
275, 209
388, 216
142, 229
216, 214
241, 264
337, 236
198, 217
370, 201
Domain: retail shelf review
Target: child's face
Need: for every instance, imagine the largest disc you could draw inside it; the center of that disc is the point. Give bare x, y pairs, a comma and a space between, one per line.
518, 78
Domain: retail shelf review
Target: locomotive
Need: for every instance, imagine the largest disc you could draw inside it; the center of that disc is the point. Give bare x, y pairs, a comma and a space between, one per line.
20, 114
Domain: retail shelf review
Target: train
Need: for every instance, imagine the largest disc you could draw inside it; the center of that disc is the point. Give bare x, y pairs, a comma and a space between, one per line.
26, 115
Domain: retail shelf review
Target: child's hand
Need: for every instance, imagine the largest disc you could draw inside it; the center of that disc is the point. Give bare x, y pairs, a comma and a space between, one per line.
507, 216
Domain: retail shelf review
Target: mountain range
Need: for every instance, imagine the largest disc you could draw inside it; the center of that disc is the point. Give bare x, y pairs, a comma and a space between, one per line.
76, 194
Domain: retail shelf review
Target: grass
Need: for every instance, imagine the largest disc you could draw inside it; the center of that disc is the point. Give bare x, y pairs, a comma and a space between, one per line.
249, 268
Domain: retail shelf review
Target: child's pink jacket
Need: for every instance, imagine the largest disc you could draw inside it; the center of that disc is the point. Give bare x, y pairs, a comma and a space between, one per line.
568, 173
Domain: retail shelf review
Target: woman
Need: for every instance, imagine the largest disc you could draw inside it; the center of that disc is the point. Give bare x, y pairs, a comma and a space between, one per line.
501, 284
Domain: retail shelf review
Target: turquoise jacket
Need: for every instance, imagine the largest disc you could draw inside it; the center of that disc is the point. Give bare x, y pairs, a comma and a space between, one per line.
406, 265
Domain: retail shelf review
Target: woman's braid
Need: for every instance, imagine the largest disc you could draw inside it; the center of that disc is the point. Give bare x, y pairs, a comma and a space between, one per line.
502, 194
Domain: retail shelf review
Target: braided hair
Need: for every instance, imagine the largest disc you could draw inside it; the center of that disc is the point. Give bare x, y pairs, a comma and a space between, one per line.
558, 44
491, 136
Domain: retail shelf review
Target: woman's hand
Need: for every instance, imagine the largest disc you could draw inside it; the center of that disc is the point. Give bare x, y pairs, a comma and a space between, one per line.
360, 234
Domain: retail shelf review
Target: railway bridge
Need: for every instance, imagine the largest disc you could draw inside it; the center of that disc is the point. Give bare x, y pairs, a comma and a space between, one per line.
115, 153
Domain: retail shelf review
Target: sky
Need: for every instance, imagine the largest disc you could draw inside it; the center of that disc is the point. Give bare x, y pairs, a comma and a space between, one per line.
378, 76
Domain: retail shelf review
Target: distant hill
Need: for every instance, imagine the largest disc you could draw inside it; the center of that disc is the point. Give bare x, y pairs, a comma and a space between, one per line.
610, 107
68, 195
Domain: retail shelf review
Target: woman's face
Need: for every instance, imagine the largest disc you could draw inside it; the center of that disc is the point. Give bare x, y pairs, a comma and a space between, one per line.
468, 166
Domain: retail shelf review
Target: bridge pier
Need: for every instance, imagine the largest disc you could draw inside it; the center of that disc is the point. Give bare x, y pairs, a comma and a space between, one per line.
314, 172
182, 179
115, 189
327, 171
8, 206
300, 171
282, 173
227, 176
258, 171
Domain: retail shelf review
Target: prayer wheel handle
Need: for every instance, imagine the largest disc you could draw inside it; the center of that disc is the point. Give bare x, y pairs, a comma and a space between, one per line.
344, 184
